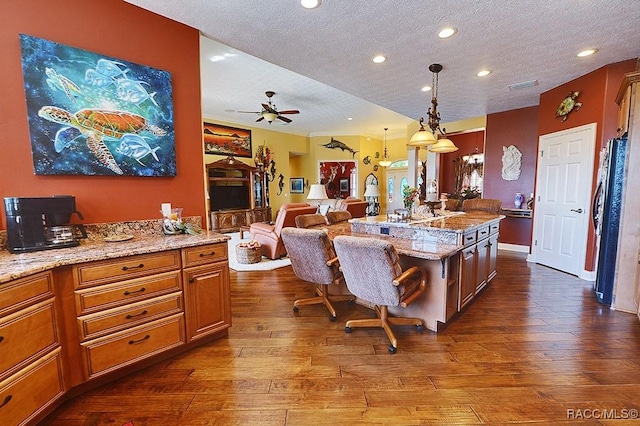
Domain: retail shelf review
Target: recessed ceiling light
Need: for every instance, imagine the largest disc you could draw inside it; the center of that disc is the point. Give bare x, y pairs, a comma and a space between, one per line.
587, 52
426, 88
379, 59
310, 4
216, 58
349, 118
483, 73
447, 32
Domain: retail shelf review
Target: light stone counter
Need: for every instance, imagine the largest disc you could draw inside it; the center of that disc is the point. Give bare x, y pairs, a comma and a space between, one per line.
148, 238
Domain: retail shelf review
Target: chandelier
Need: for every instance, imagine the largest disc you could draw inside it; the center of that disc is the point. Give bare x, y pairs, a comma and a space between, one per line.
385, 162
437, 137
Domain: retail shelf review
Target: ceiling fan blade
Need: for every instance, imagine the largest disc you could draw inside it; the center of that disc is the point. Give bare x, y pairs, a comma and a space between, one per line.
269, 108
260, 119
249, 112
285, 119
289, 111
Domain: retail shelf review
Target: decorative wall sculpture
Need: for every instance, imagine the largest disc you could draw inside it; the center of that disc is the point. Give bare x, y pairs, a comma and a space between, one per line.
511, 163
91, 114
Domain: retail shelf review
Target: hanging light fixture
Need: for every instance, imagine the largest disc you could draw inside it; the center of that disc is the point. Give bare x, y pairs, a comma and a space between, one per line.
385, 162
437, 138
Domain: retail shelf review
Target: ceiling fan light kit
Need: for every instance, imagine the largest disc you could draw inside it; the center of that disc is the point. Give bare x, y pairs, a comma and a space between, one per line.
269, 111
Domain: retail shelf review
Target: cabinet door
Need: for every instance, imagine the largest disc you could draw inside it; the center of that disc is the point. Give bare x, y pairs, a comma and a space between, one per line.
467, 276
239, 219
482, 265
493, 256
207, 299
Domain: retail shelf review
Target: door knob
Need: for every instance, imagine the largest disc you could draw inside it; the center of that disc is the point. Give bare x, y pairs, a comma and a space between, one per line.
577, 210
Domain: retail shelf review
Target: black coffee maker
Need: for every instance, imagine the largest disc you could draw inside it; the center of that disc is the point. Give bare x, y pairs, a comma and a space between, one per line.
41, 223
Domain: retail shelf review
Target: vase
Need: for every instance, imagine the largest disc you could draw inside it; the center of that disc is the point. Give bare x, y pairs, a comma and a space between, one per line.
518, 200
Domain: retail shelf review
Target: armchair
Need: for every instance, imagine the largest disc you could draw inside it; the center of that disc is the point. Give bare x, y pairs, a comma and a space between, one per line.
314, 260
373, 273
269, 235
482, 204
355, 206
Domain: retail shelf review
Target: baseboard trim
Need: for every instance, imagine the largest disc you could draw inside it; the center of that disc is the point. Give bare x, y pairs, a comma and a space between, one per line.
513, 247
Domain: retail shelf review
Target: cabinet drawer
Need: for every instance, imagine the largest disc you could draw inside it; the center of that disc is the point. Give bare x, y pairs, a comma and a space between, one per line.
23, 292
493, 228
469, 238
124, 348
113, 295
32, 390
26, 336
108, 271
483, 233
201, 255
112, 320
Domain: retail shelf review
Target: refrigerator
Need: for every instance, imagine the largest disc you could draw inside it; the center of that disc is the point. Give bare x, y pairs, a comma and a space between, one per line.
606, 214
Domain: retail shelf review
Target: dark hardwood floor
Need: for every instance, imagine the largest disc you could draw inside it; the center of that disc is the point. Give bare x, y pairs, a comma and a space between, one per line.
534, 347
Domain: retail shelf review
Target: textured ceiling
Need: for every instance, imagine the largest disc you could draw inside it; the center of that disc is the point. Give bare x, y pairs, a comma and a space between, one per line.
319, 61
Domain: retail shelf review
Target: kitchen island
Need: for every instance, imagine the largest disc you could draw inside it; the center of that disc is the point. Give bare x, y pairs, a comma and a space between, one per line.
74, 318
458, 252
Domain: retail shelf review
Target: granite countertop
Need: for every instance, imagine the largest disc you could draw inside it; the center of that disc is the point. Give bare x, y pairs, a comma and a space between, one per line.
14, 266
415, 248
458, 222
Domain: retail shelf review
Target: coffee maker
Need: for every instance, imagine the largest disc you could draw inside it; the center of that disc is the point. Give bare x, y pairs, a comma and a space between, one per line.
41, 223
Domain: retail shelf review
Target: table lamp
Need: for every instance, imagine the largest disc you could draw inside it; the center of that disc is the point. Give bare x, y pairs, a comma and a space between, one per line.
372, 192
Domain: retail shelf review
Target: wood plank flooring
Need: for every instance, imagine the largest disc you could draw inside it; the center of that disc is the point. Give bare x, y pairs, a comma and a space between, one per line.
535, 347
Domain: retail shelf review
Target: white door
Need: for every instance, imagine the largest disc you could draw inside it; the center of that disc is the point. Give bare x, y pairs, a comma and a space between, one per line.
396, 180
563, 197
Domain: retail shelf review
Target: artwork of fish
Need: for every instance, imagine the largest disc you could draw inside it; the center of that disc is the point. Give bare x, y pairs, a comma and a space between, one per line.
280, 183
336, 144
89, 114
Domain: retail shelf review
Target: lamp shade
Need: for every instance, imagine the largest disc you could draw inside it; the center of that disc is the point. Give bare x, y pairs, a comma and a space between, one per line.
317, 192
422, 137
385, 163
372, 191
443, 146
269, 116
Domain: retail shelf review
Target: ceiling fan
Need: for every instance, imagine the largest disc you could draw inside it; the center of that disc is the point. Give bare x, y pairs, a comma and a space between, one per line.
270, 113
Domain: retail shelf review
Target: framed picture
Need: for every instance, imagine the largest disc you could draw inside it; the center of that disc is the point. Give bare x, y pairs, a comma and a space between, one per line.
344, 185
225, 140
95, 115
296, 185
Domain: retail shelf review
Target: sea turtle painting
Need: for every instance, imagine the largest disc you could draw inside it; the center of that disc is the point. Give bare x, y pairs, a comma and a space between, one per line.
60, 82
97, 125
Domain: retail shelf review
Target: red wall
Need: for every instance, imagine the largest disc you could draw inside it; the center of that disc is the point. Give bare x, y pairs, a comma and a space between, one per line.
517, 127
120, 30
598, 91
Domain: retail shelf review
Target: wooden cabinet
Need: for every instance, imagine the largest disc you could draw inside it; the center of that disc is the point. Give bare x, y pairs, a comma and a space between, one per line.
206, 290
31, 376
467, 276
128, 309
477, 261
238, 195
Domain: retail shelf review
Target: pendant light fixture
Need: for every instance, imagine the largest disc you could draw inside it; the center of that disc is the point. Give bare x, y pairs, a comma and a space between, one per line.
385, 162
437, 137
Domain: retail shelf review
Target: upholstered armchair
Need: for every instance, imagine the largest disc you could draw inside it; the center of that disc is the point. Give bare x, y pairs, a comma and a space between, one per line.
373, 273
338, 216
308, 220
314, 260
482, 204
269, 235
355, 206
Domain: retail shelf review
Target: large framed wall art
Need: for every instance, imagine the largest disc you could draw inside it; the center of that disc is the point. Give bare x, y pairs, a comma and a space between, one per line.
225, 140
91, 114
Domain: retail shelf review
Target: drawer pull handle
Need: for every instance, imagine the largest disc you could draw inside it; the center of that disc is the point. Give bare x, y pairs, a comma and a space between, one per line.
127, 293
1, 338
208, 254
6, 400
192, 280
126, 268
483, 232
136, 315
135, 342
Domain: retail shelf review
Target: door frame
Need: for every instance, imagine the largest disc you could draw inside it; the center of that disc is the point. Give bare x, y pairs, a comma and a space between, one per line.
583, 274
